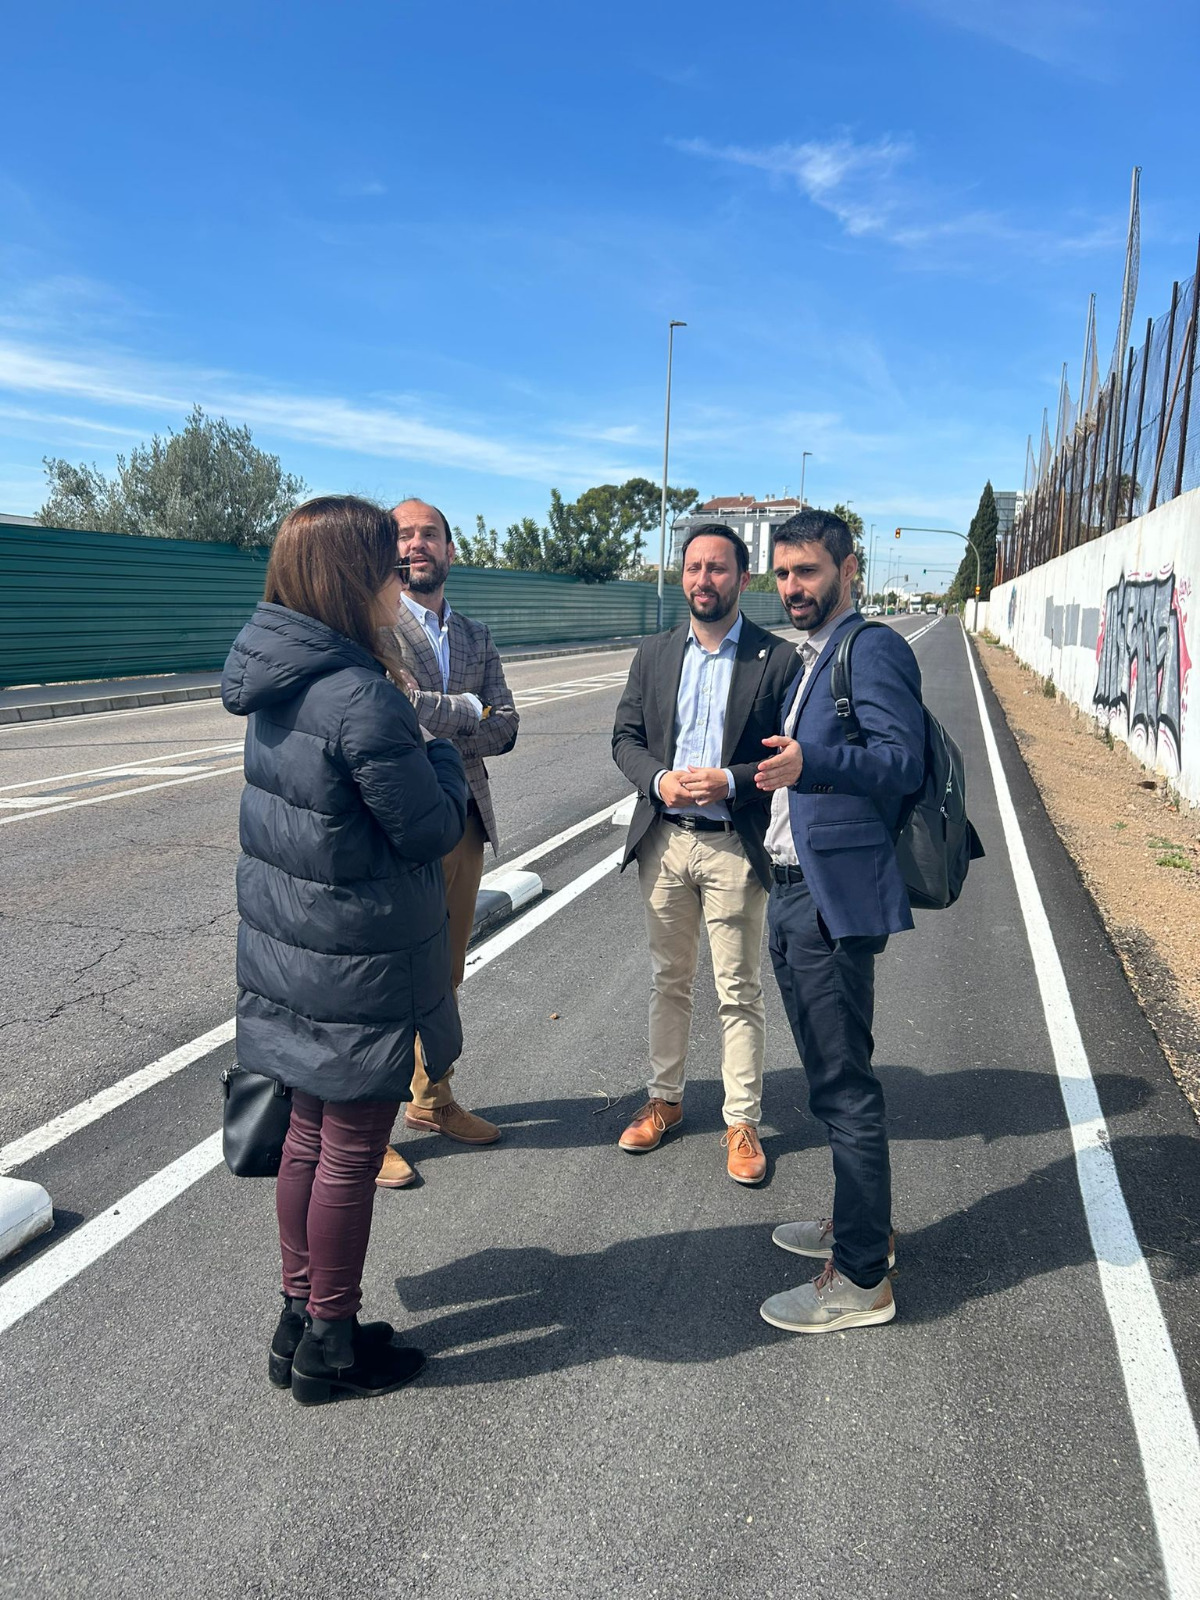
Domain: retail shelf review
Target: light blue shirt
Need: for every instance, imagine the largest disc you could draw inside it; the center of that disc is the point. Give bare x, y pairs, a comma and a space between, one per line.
436, 631
700, 714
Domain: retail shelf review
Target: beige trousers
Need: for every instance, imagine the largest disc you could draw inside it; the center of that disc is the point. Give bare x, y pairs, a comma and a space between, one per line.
687, 878
462, 870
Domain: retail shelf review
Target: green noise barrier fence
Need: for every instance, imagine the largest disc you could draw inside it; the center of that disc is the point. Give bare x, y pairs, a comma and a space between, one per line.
77, 606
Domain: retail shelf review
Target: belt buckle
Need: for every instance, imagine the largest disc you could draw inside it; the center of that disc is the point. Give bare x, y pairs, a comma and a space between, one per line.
688, 824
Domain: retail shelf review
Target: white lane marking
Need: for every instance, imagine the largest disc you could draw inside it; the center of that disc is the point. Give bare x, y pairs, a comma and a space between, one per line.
149, 765
27, 1289
29, 1145
121, 794
550, 906
573, 832
1162, 1419
37, 1140
96, 1238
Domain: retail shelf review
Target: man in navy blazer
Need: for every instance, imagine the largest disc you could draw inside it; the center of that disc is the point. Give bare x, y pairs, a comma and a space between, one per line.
837, 894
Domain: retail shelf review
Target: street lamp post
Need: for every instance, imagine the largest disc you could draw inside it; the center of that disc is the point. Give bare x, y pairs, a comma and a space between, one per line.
662, 520
957, 535
803, 461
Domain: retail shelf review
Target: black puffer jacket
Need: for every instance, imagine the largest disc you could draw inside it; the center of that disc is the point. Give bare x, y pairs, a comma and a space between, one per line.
343, 949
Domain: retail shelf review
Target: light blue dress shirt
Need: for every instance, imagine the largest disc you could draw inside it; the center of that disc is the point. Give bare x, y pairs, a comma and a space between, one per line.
700, 714
436, 631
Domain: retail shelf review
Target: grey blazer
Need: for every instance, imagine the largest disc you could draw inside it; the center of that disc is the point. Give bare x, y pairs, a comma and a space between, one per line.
644, 734
474, 669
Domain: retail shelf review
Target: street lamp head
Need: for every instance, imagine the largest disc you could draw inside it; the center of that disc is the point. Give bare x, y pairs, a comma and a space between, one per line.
678, 324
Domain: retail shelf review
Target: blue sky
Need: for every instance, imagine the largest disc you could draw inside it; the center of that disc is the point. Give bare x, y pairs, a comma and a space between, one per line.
434, 250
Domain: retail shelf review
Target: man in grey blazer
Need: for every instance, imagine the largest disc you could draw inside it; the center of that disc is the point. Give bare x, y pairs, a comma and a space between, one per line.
463, 697
689, 735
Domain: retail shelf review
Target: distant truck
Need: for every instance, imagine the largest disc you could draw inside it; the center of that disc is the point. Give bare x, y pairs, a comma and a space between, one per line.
914, 608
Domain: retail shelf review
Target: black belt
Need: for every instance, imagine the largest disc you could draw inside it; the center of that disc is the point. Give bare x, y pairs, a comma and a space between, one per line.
783, 874
698, 824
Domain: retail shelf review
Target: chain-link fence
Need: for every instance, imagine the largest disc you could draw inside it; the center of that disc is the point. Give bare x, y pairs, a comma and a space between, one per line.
1134, 445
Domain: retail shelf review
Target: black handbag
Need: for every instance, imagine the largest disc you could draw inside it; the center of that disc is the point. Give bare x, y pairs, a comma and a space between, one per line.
257, 1113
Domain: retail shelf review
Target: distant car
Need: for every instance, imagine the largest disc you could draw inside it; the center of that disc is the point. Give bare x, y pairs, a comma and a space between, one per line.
931, 610
872, 611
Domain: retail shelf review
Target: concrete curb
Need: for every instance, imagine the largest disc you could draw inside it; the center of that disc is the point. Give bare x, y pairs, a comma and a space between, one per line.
501, 895
48, 710
25, 1212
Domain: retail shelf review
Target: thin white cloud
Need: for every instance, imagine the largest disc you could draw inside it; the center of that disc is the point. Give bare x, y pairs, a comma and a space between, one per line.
165, 395
1081, 38
363, 189
865, 187
847, 179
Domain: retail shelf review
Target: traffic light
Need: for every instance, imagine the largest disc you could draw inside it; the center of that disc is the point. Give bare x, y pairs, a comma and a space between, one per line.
897, 533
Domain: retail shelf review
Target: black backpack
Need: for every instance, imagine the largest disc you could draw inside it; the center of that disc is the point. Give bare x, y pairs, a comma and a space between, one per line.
935, 841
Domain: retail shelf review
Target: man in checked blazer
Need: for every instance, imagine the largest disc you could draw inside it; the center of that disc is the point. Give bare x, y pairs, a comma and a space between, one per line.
689, 735
463, 698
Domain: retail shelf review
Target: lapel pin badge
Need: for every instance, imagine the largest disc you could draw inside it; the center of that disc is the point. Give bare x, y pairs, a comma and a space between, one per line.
761, 654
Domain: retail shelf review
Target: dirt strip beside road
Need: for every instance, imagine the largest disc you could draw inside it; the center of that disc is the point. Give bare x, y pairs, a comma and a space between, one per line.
1137, 852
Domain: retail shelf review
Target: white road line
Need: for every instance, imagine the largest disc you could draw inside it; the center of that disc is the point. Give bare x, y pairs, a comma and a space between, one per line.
148, 764
28, 1289
38, 1140
550, 906
32, 1144
1165, 1427
121, 794
573, 832
96, 1238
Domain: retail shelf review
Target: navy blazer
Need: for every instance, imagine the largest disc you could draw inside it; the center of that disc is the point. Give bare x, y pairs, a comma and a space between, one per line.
846, 805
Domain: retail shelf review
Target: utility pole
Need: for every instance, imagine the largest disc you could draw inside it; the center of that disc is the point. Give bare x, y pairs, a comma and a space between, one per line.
662, 519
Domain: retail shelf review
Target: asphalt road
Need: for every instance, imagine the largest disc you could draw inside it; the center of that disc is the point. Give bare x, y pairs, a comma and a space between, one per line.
605, 1413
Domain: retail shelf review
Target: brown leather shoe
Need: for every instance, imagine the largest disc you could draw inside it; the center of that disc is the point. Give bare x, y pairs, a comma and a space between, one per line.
649, 1127
395, 1173
452, 1120
745, 1162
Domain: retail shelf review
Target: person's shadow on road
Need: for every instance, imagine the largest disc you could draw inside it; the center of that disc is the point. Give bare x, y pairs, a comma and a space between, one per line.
692, 1296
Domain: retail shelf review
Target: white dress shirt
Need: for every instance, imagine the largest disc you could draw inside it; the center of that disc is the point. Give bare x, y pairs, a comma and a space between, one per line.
436, 631
780, 845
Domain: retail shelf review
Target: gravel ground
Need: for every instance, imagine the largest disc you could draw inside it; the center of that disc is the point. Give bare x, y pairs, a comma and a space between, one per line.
1137, 851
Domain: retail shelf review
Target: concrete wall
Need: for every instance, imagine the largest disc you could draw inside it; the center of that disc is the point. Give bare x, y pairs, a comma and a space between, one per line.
1112, 623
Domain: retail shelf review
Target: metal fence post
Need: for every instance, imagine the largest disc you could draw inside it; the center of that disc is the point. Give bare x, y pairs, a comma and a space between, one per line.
1189, 366
1113, 495
1166, 384
1137, 443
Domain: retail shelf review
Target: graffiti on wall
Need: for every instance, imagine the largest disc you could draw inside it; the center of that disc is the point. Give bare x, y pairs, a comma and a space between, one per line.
1142, 663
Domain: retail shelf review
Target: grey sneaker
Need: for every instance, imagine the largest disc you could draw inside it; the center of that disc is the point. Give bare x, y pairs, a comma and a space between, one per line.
816, 1239
828, 1304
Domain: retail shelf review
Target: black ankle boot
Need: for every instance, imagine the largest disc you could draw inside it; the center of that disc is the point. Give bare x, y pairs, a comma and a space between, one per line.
335, 1357
289, 1330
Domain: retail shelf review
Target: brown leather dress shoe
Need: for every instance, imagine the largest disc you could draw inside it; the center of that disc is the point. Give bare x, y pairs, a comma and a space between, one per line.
395, 1173
652, 1123
454, 1121
745, 1162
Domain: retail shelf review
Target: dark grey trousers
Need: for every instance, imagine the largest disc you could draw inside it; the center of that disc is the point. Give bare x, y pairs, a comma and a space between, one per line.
828, 991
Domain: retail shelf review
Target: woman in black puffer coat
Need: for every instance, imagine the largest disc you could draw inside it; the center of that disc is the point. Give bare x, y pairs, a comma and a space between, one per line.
343, 951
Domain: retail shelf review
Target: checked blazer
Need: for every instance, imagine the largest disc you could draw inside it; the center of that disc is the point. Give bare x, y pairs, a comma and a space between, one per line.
474, 669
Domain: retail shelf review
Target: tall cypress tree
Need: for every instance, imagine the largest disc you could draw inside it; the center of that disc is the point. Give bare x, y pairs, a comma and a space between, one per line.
982, 534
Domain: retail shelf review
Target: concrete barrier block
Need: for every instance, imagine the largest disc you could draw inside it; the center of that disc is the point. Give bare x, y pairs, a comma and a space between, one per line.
25, 1212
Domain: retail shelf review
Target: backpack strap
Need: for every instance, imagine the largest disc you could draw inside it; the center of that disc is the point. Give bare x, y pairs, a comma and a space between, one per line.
841, 685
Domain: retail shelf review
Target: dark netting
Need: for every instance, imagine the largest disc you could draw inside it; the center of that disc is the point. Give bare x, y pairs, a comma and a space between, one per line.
1129, 448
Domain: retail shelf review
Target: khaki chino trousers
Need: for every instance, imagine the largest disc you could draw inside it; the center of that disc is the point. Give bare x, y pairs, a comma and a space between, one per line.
462, 870
687, 879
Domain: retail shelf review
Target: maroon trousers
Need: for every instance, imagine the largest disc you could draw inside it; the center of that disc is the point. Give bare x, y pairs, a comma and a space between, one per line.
324, 1195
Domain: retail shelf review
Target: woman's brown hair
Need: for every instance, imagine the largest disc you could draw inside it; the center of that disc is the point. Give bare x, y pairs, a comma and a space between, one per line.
330, 559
